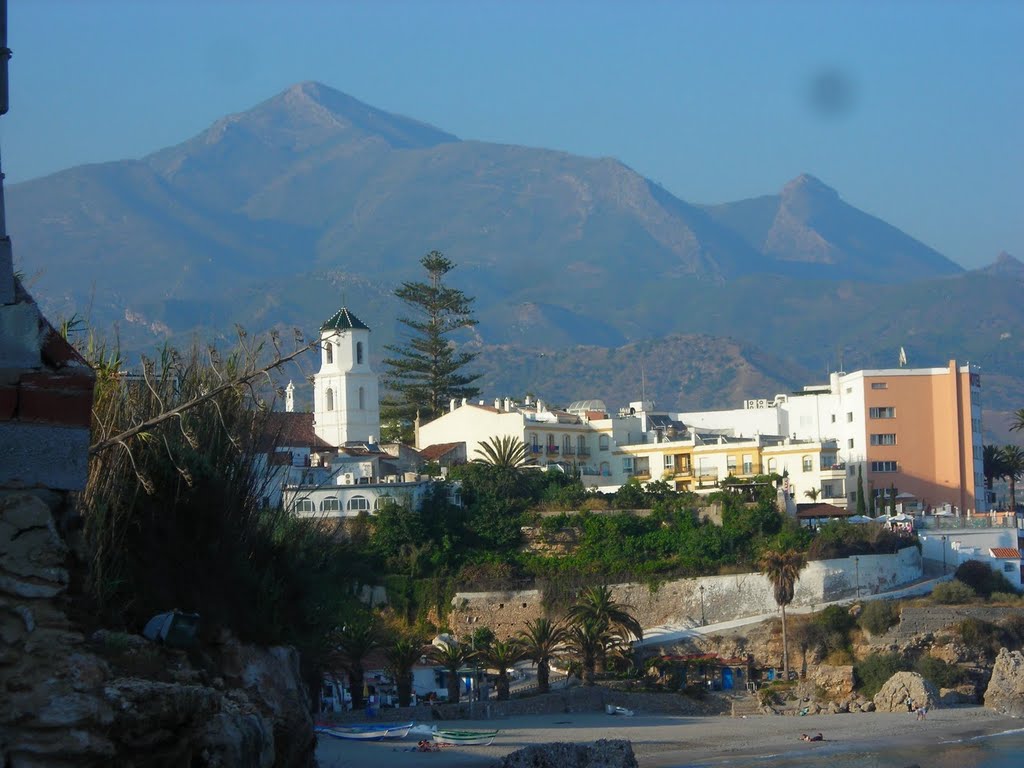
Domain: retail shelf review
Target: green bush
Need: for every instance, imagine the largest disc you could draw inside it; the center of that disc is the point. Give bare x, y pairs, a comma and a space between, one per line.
953, 593
871, 673
878, 616
1006, 597
982, 579
981, 636
938, 672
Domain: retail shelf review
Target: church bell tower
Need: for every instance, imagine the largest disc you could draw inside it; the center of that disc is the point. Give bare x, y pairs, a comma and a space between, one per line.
346, 405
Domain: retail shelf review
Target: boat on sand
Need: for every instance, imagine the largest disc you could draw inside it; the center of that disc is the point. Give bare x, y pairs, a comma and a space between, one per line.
464, 738
369, 732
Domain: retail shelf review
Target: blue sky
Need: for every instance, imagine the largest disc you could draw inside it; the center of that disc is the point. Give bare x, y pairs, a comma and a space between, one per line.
911, 110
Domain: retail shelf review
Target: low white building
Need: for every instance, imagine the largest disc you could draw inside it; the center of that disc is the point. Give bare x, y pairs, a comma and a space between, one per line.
994, 539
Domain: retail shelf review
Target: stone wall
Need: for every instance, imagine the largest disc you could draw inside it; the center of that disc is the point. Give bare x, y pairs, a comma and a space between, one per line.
682, 602
919, 620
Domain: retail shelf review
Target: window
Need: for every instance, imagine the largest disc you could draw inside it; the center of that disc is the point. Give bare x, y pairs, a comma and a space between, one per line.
808, 463
358, 503
730, 464
849, 417
329, 352
833, 418
748, 464
853, 496
976, 426
602, 443
884, 439
534, 442
849, 443
330, 505
303, 505
362, 398
883, 412
606, 469
330, 399
851, 471
883, 466
359, 353
552, 445
382, 501
567, 444
670, 462
627, 465
581, 446
1008, 568
772, 464
879, 385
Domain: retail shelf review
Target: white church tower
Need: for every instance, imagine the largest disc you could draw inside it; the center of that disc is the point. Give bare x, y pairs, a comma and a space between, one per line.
346, 405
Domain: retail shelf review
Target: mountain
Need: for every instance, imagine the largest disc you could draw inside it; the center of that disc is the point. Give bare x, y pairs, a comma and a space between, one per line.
275, 216
808, 227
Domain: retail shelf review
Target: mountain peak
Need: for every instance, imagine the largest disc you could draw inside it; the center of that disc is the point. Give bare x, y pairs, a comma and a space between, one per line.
1005, 264
806, 184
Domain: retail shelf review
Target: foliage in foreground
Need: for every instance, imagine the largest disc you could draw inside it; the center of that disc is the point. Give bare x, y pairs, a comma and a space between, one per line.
175, 518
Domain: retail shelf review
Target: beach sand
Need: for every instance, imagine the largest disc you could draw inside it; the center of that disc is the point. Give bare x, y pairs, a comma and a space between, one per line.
661, 741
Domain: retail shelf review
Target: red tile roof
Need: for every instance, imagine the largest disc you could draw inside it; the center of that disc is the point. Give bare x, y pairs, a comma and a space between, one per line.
1005, 553
292, 430
435, 452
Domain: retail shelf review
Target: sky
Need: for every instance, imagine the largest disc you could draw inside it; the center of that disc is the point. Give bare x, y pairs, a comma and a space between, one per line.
913, 111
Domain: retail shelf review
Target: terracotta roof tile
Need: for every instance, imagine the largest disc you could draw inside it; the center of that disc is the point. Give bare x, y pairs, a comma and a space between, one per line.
807, 511
292, 430
435, 452
1005, 553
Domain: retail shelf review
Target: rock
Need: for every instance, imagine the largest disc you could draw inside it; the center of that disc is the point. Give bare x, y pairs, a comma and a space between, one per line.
868, 707
837, 682
605, 753
902, 686
31, 550
1005, 692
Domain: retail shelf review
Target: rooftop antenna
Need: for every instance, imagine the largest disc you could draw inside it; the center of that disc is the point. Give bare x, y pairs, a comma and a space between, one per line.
903, 358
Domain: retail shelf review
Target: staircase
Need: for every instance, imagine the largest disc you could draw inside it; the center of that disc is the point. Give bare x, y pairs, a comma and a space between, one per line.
746, 704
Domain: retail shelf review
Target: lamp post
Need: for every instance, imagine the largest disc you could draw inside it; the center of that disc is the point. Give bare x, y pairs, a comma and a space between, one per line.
856, 566
943, 554
703, 621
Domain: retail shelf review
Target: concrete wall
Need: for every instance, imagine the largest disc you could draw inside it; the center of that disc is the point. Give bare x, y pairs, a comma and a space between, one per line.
681, 602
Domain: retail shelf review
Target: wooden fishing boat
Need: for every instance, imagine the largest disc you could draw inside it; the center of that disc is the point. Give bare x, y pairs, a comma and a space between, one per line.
367, 732
464, 738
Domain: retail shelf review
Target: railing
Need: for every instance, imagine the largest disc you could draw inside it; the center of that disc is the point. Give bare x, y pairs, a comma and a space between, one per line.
552, 450
642, 474
829, 467
583, 450
684, 471
568, 450
949, 522
536, 449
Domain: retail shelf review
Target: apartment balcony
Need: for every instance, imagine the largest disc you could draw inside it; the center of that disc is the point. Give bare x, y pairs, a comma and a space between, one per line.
536, 450
683, 471
552, 450
833, 471
583, 450
642, 474
568, 450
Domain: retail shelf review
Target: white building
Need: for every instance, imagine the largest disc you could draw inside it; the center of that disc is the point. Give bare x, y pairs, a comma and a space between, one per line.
328, 463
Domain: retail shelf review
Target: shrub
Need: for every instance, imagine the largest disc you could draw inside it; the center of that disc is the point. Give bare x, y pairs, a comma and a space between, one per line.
952, 593
982, 579
878, 616
981, 636
938, 672
1006, 597
871, 673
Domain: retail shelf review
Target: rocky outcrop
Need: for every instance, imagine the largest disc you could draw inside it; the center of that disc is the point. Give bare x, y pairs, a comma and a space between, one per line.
836, 682
117, 699
1005, 692
904, 687
605, 753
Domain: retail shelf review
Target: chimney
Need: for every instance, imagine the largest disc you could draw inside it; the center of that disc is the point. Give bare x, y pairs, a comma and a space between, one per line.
508, 403
451, 404
540, 405
463, 402
497, 403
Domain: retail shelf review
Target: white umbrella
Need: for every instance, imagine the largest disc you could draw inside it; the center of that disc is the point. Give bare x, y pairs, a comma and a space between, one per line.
858, 519
900, 518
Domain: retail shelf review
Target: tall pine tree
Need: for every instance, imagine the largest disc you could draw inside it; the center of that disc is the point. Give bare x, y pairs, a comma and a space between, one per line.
425, 372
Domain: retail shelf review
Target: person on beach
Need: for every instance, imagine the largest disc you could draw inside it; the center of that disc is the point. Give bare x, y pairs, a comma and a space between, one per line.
921, 712
805, 737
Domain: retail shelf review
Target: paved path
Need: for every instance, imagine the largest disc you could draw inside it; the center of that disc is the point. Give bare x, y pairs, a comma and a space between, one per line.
669, 633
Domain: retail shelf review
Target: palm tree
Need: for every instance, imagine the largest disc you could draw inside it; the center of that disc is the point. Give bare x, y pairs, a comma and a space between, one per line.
500, 655
452, 657
586, 638
993, 465
503, 451
1013, 469
1018, 420
352, 644
402, 655
541, 640
782, 567
612, 620
812, 494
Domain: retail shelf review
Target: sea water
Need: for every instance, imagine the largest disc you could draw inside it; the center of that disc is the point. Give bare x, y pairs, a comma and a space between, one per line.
1002, 750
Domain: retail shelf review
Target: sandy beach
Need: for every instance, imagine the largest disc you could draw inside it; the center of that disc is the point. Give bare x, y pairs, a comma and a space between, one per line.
662, 741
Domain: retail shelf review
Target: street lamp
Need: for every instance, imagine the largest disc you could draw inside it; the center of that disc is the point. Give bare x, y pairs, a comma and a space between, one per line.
856, 566
703, 621
943, 554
